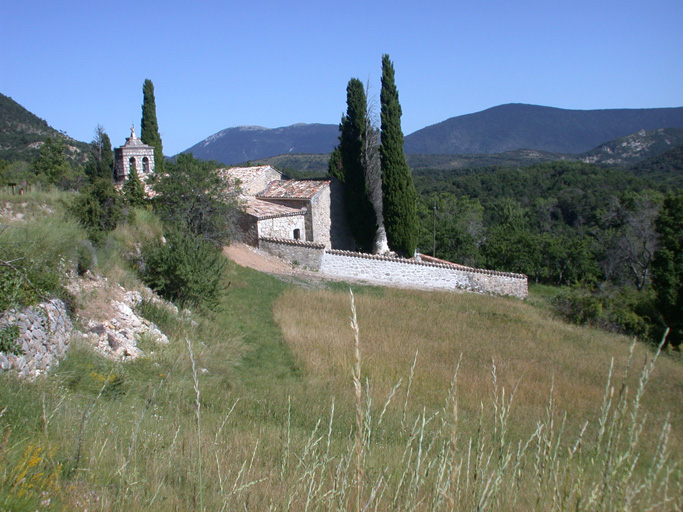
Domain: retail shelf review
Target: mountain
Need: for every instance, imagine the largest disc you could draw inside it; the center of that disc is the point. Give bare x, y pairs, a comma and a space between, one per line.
516, 126
652, 148
22, 133
248, 143
498, 130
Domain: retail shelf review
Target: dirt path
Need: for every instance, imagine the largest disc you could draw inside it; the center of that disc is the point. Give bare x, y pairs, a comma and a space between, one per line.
248, 256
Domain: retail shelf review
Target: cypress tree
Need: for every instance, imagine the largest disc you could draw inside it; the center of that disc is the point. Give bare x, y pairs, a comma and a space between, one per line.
347, 164
398, 190
149, 128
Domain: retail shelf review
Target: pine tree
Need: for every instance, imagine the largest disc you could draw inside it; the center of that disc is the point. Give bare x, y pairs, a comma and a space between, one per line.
667, 266
347, 164
101, 163
398, 190
134, 191
149, 128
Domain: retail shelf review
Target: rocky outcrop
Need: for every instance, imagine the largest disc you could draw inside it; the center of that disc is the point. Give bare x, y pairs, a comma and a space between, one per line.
106, 316
118, 335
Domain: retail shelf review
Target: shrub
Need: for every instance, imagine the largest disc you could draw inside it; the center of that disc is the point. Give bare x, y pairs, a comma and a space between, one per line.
185, 269
624, 310
97, 209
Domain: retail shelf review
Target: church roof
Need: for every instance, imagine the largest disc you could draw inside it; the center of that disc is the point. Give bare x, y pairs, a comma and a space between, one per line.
246, 175
294, 189
265, 210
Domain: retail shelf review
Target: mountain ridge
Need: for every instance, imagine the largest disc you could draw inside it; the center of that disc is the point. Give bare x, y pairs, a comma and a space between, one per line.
500, 129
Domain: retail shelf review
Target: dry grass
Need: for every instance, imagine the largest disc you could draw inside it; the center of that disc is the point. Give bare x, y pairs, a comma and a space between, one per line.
530, 349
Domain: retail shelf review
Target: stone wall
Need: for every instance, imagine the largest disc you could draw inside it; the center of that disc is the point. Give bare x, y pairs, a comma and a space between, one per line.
44, 334
403, 272
385, 270
282, 227
320, 217
305, 254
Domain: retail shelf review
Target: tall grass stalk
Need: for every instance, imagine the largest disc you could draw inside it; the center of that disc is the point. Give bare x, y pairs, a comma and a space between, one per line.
359, 403
198, 405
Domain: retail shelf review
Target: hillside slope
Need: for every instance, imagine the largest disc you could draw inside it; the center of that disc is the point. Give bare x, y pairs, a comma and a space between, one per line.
515, 126
246, 143
22, 133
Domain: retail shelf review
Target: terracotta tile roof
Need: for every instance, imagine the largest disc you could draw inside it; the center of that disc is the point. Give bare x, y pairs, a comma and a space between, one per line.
244, 174
294, 189
265, 210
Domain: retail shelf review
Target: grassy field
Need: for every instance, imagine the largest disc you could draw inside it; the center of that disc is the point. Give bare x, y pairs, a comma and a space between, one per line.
438, 401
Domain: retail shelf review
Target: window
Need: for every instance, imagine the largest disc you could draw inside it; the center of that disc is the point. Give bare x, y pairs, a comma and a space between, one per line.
297, 234
145, 165
131, 163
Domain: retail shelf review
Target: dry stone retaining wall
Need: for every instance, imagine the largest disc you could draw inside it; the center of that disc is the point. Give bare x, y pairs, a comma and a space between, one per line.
44, 334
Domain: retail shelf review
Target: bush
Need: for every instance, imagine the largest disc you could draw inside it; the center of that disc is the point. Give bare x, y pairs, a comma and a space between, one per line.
33, 260
98, 209
185, 269
624, 310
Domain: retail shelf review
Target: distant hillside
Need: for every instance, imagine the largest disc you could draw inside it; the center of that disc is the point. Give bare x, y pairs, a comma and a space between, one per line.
249, 143
664, 168
22, 133
498, 130
516, 126
645, 146
626, 151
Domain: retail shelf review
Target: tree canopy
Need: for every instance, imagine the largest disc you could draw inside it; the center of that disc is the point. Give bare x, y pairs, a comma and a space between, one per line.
192, 196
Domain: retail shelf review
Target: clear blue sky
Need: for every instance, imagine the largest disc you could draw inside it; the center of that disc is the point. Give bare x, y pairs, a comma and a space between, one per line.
219, 64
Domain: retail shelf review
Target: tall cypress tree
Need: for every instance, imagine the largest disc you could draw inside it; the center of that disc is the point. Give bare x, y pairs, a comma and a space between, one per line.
149, 128
398, 190
347, 164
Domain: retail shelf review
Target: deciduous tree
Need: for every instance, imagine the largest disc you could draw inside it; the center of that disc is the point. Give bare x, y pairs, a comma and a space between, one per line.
191, 195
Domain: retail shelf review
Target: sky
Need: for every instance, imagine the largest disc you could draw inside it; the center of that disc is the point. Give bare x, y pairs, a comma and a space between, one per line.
220, 64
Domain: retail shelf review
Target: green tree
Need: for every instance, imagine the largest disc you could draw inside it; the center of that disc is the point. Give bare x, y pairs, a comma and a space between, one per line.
51, 164
398, 192
667, 265
350, 168
452, 227
149, 128
184, 268
101, 162
334, 166
134, 191
97, 208
191, 195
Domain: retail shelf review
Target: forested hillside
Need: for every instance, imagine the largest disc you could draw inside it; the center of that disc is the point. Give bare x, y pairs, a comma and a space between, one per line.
561, 223
22, 133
